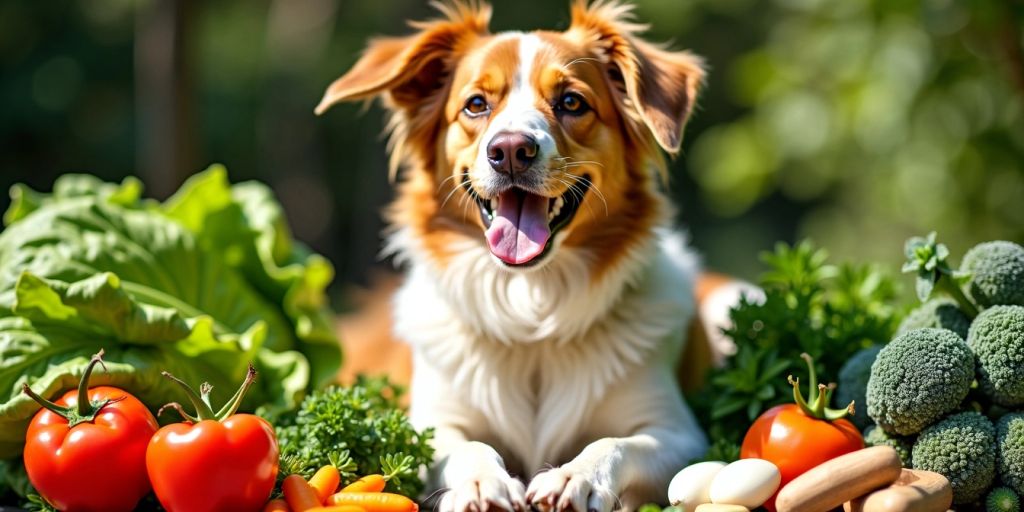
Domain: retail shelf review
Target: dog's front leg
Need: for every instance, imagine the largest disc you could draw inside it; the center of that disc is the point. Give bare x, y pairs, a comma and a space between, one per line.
609, 474
626, 472
471, 474
475, 479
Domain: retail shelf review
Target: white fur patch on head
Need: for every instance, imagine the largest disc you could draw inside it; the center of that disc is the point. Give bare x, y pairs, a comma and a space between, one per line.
520, 114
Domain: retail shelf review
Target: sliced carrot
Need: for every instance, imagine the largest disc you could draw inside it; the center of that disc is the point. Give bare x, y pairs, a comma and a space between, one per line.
341, 508
368, 483
374, 501
299, 494
325, 482
276, 506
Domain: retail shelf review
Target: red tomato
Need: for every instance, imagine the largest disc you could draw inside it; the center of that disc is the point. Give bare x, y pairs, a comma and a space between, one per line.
214, 463
97, 464
797, 437
795, 442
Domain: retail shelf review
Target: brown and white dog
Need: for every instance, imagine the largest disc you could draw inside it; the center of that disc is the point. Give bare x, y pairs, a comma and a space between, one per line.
547, 300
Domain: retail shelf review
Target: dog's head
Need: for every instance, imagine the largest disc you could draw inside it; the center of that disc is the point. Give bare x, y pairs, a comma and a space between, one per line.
528, 142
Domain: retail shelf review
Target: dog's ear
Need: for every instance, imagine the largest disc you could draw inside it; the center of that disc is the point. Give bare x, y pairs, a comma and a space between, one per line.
409, 69
653, 84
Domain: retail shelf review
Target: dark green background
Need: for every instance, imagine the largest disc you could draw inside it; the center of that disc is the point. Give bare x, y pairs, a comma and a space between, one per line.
855, 122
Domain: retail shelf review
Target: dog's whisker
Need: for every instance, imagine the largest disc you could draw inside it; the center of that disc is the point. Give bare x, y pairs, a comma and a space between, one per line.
464, 198
579, 194
466, 201
568, 185
575, 187
586, 162
593, 187
436, 493
572, 189
579, 60
454, 190
446, 180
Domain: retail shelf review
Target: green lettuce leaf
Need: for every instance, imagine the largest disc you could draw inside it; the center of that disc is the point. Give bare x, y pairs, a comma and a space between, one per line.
189, 288
25, 200
247, 225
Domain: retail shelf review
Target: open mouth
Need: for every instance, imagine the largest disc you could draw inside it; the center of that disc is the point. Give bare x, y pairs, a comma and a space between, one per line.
521, 225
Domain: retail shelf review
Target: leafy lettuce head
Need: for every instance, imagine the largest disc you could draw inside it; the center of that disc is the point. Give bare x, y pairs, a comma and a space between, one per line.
198, 286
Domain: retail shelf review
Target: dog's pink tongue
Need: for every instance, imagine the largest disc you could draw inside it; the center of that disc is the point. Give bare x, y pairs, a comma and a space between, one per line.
519, 230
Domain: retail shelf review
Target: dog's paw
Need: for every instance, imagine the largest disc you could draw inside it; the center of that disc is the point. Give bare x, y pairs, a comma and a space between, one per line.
561, 489
485, 493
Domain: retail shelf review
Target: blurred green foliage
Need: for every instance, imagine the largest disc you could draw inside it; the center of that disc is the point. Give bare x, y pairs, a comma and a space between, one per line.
881, 117
858, 122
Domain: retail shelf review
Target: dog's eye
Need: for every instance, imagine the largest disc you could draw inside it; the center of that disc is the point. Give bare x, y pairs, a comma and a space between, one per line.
572, 103
476, 106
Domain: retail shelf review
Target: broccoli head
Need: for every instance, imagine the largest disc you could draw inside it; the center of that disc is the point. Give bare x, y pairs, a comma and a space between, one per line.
996, 273
875, 436
1002, 499
853, 384
1010, 444
997, 339
941, 313
962, 448
917, 378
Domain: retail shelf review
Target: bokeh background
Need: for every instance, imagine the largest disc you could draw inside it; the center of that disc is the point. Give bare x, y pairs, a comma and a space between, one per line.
856, 122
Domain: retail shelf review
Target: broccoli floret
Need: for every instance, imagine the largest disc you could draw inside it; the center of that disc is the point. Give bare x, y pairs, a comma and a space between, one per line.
875, 436
941, 313
997, 339
961, 448
1002, 499
1010, 443
997, 273
853, 384
918, 378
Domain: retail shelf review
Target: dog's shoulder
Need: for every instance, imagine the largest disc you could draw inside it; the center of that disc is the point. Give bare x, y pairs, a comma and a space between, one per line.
674, 271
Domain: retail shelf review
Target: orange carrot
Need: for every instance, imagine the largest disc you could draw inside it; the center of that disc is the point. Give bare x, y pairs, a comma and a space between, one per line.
325, 482
341, 508
299, 495
368, 483
374, 501
276, 506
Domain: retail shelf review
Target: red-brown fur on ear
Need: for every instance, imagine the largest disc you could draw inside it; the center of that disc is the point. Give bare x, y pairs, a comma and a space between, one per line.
410, 73
660, 86
396, 64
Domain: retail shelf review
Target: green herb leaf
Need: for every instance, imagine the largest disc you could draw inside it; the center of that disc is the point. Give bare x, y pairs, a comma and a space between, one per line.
810, 305
363, 424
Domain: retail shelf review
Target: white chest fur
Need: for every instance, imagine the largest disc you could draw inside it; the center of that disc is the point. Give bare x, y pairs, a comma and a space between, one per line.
533, 353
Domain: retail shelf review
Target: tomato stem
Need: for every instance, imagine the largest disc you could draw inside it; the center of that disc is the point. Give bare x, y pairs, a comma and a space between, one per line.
181, 410
232, 405
85, 410
201, 400
819, 396
61, 411
203, 411
84, 407
812, 377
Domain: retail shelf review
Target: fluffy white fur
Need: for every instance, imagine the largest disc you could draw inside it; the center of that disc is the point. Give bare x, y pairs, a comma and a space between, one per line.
541, 365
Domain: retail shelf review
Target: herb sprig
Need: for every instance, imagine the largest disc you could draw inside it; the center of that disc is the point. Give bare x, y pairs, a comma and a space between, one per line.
830, 311
360, 430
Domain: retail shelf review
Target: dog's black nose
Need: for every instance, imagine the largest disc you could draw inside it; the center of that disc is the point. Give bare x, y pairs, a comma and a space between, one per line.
510, 152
